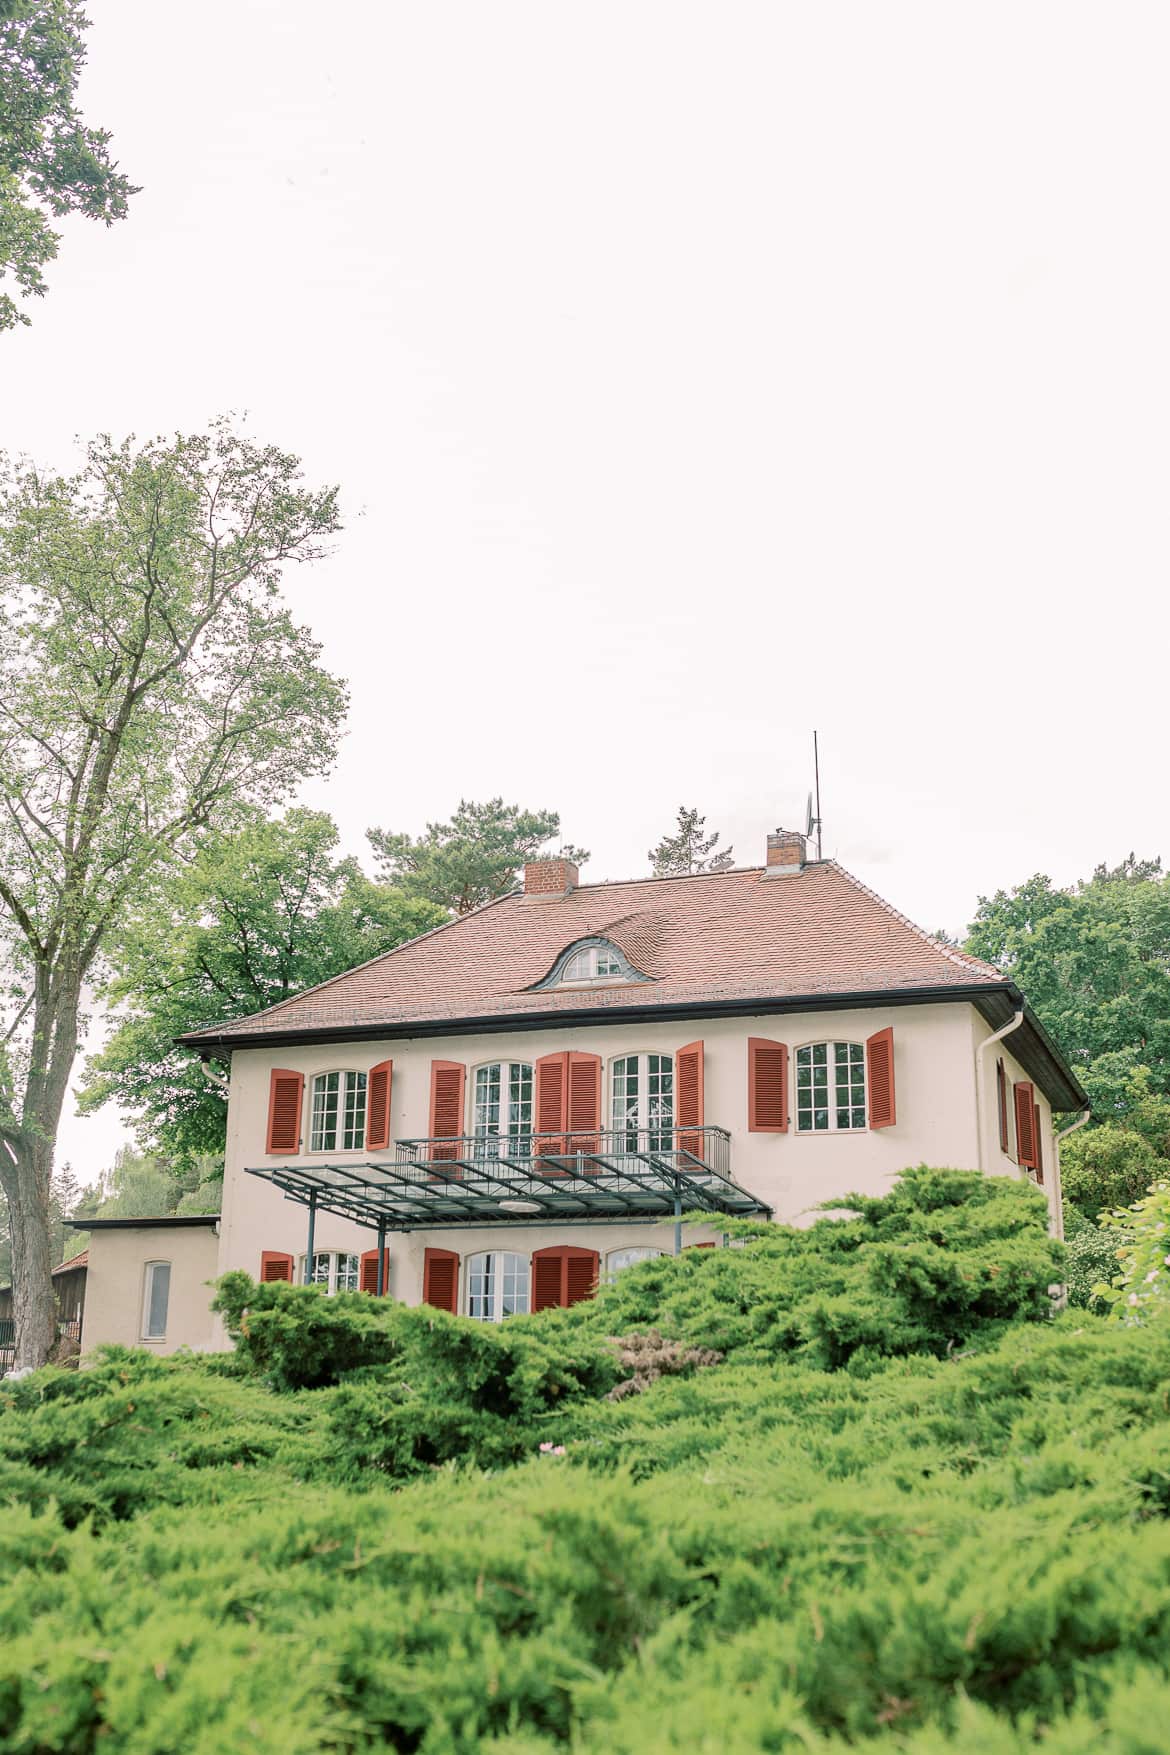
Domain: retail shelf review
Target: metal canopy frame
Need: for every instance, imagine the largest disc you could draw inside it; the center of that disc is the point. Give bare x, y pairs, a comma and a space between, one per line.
434, 1184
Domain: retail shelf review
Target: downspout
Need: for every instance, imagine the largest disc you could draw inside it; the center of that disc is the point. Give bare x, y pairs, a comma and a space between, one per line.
980, 1052
209, 1072
1057, 1193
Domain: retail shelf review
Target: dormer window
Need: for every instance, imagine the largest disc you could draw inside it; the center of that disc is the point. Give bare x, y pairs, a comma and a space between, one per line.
592, 963
590, 960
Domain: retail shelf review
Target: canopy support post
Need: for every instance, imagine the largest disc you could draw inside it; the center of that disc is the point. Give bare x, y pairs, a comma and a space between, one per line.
381, 1257
677, 1221
312, 1229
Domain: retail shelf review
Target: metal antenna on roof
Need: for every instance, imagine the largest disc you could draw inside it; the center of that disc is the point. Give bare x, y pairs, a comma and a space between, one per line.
812, 820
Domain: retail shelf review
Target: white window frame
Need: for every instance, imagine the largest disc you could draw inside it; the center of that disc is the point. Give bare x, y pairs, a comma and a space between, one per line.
148, 1277
502, 1274
595, 962
642, 1120
591, 957
332, 1279
633, 1253
347, 1077
516, 1133
831, 1044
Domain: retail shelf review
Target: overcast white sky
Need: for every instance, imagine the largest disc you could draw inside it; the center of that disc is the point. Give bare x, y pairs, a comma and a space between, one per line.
694, 375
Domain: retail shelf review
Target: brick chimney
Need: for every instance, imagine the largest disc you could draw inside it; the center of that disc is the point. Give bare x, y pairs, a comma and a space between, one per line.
550, 877
786, 852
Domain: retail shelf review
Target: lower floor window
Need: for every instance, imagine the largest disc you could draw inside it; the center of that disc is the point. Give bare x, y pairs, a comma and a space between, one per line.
617, 1259
334, 1270
156, 1298
497, 1285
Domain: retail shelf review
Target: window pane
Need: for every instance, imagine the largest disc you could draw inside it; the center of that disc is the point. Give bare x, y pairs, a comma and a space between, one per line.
486, 1119
623, 1258
480, 1287
158, 1294
513, 1275
354, 1131
323, 1135
321, 1265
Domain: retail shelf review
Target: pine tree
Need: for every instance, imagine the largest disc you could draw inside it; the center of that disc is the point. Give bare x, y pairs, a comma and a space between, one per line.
688, 850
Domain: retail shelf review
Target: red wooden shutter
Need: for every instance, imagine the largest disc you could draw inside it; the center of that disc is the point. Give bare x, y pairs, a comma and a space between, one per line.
552, 1081
563, 1275
275, 1265
583, 1102
1025, 1100
285, 1091
767, 1086
441, 1279
1002, 1105
688, 1096
446, 1123
879, 1076
378, 1106
581, 1270
368, 1271
1038, 1144
687, 1246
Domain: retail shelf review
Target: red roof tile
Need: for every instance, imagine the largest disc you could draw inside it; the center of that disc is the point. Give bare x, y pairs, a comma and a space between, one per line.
719, 936
75, 1261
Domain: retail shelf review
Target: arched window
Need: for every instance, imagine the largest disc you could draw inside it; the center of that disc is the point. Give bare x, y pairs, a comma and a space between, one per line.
642, 1098
502, 1109
339, 1112
590, 959
830, 1087
333, 1269
617, 1259
497, 1285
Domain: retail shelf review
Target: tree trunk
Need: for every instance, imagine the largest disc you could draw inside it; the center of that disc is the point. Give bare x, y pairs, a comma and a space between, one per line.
33, 1301
26, 1167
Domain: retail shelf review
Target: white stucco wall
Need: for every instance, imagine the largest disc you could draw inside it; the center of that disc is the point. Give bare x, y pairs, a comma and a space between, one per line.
116, 1283
994, 1160
936, 1124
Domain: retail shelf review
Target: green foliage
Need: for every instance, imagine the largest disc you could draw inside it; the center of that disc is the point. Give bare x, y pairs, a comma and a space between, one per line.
474, 858
254, 917
688, 849
922, 1269
1140, 1289
1095, 963
1106, 1167
1091, 1257
938, 1555
154, 690
51, 164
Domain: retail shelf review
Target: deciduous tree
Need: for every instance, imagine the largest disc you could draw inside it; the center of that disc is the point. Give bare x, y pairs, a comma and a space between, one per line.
151, 683
251, 919
51, 164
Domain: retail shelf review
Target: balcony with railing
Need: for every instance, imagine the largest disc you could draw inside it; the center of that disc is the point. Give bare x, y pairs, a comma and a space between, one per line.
635, 1173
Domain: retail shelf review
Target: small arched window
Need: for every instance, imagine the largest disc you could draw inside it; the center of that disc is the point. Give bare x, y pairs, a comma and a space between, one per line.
338, 1121
497, 1285
830, 1087
333, 1269
617, 1259
590, 959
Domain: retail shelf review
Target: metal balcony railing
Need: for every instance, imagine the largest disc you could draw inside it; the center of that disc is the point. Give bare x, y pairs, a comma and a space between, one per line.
691, 1150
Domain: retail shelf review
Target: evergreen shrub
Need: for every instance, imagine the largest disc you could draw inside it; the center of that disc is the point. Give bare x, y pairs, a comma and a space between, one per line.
909, 1511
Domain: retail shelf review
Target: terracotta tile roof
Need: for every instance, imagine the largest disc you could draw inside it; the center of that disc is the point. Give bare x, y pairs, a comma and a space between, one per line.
75, 1261
721, 936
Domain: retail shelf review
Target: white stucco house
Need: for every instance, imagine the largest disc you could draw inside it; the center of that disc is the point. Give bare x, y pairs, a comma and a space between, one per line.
495, 1115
